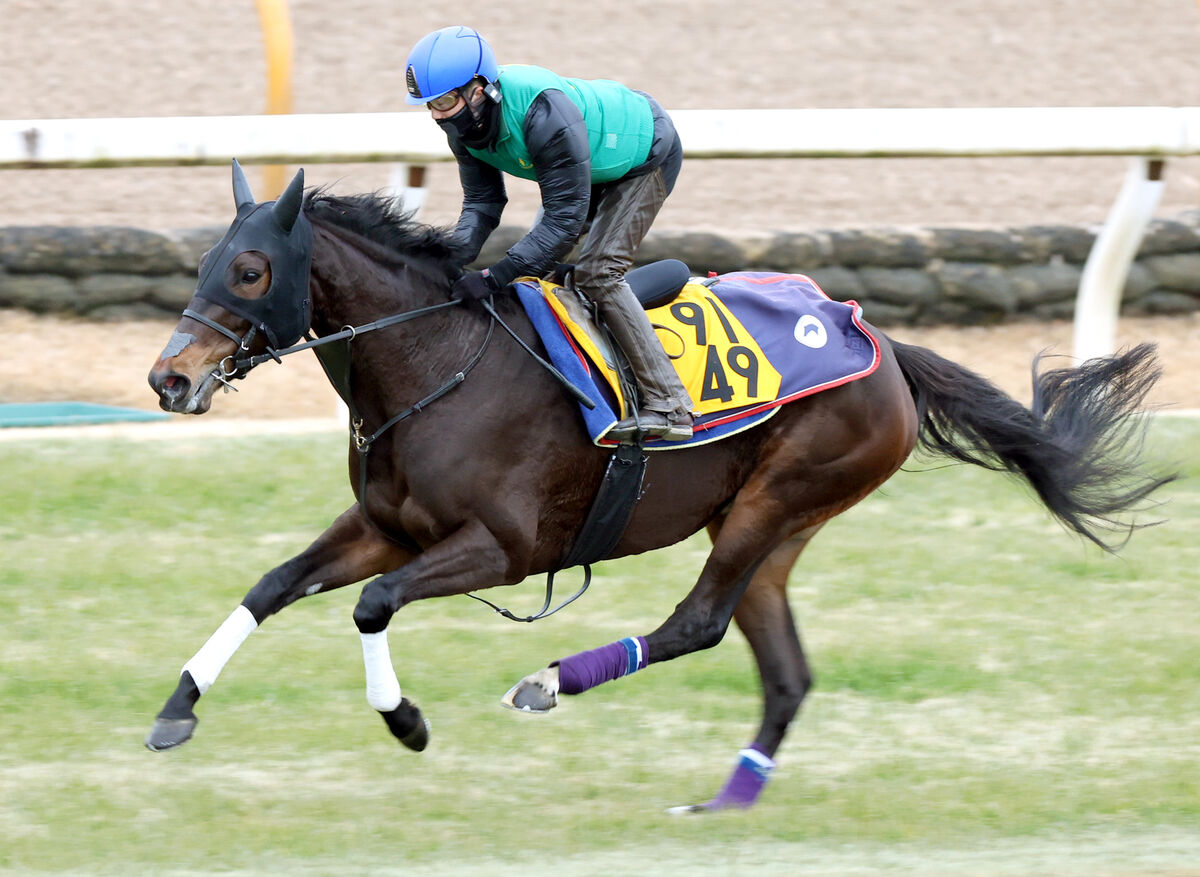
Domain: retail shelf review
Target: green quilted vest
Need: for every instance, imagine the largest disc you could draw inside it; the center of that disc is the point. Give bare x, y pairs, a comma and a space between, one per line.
619, 123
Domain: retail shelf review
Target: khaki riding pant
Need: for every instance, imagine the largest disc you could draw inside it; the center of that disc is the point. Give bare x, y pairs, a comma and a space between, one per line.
625, 211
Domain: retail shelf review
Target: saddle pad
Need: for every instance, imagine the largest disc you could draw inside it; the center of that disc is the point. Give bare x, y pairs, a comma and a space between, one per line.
743, 343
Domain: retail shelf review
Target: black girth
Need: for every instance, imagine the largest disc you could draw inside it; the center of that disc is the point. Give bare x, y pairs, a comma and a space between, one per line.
602, 528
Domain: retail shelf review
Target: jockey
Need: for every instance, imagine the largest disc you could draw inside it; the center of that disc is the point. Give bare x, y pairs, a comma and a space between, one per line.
601, 153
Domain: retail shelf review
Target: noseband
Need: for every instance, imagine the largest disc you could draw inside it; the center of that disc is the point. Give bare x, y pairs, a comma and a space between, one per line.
233, 367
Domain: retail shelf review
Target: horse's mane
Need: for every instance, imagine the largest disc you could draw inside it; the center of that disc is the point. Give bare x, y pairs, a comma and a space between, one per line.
376, 217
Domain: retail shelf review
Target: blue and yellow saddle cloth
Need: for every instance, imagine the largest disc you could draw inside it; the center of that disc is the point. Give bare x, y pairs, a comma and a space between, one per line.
743, 343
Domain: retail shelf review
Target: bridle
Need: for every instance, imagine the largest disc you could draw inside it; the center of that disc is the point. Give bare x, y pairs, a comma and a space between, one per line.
232, 367
238, 364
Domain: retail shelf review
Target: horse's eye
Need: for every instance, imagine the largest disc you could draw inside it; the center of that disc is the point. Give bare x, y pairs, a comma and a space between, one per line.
251, 276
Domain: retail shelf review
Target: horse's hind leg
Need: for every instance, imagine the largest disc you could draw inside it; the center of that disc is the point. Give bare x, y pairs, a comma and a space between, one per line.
750, 534
763, 615
765, 618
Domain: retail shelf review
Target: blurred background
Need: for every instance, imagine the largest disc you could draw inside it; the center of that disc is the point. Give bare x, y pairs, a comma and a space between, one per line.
992, 698
143, 58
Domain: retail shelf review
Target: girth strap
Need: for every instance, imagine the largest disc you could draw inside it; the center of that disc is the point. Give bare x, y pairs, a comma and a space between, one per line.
602, 528
612, 508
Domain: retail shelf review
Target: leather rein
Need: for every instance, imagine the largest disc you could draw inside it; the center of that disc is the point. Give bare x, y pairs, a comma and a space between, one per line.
241, 365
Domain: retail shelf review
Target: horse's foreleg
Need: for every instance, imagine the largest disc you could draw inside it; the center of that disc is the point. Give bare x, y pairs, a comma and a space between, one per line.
402, 716
470, 559
349, 551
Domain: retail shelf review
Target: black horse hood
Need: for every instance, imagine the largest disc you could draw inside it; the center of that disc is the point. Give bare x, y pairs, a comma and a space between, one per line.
281, 232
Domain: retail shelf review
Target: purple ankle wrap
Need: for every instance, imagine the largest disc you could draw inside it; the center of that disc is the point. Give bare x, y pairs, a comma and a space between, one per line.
586, 670
746, 782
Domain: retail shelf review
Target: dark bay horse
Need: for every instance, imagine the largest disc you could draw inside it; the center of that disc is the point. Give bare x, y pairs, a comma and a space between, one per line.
477, 471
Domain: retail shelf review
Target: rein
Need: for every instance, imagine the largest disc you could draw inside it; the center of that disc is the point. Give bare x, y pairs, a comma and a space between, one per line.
234, 367
349, 333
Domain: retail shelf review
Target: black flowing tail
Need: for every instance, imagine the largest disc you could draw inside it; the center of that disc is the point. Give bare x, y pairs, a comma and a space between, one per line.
1078, 445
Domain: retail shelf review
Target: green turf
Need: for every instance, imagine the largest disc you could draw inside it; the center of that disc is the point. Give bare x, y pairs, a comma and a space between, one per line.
994, 696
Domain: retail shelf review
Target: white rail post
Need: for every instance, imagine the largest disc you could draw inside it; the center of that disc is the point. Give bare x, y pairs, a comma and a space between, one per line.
1098, 302
407, 183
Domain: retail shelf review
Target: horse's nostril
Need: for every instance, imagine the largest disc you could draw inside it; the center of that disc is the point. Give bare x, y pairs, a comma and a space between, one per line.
171, 388
178, 386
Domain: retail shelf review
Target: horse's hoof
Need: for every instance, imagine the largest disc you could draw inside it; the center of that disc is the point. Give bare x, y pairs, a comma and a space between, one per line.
408, 725
688, 808
169, 733
534, 694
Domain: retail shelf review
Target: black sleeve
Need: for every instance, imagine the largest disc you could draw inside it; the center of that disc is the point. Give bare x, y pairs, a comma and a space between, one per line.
557, 139
483, 202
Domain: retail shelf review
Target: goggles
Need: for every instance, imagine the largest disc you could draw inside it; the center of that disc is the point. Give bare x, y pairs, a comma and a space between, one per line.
445, 102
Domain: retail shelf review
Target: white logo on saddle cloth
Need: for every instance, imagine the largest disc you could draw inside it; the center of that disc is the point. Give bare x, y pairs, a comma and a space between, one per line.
811, 332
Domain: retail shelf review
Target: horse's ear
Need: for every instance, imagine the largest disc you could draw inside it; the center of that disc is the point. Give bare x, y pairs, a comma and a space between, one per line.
241, 188
287, 208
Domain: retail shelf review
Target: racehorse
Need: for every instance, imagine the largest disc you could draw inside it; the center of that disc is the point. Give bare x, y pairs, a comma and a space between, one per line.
471, 469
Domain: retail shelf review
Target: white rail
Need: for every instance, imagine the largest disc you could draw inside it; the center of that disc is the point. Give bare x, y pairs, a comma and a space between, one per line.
1147, 134
941, 132
410, 137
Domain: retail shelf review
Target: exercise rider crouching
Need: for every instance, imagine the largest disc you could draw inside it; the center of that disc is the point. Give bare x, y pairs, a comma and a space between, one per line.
601, 153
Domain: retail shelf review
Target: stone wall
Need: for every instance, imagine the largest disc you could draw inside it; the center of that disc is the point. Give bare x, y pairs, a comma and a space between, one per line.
900, 276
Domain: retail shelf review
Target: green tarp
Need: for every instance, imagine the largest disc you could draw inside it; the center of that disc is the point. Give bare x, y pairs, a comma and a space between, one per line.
70, 414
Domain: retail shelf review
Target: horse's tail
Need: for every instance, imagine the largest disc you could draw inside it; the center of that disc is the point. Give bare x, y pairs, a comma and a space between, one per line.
1078, 445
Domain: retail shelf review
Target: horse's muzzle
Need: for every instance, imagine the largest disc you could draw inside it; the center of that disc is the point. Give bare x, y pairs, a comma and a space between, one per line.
174, 392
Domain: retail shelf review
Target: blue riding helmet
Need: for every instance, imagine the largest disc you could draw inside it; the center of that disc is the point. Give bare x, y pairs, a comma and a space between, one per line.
445, 60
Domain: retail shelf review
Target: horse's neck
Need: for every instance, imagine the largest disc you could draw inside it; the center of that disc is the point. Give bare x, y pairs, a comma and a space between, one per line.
349, 288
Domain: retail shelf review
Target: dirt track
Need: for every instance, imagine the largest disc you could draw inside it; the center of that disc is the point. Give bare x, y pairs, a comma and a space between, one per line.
143, 58
138, 57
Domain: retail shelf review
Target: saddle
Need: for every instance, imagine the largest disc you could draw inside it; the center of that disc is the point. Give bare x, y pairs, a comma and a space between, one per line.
743, 343
654, 285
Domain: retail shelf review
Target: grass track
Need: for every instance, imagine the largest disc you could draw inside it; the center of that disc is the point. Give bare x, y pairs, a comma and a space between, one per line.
994, 697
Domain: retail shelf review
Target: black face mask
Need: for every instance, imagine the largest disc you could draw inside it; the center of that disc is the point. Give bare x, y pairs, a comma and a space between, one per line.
476, 130
280, 231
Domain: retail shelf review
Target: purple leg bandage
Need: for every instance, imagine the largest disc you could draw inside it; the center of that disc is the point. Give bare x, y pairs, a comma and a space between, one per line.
746, 782
586, 670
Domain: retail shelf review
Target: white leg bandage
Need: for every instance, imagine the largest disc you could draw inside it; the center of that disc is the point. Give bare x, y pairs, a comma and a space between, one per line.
207, 663
383, 688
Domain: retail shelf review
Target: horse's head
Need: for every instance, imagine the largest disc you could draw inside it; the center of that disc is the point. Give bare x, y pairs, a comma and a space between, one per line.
252, 297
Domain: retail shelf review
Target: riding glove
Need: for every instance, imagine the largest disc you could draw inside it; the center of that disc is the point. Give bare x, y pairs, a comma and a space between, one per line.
474, 286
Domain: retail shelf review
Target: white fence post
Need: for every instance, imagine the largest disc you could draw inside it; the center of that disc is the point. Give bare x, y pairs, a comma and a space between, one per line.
1104, 274
407, 185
